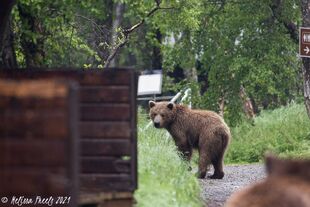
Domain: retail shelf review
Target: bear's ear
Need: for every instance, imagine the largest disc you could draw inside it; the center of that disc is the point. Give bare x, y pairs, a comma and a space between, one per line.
151, 104
271, 162
170, 106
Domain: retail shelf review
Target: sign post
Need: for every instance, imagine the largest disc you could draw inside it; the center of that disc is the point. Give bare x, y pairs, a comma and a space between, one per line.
304, 42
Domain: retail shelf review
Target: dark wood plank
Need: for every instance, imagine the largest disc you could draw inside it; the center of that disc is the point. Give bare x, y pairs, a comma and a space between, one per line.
15, 118
105, 112
47, 128
32, 182
95, 147
30, 103
133, 126
107, 94
94, 183
106, 77
104, 165
37, 153
119, 202
73, 144
88, 198
43, 89
84, 77
102, 130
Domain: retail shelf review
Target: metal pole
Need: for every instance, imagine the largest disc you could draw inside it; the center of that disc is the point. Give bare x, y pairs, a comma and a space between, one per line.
187, 94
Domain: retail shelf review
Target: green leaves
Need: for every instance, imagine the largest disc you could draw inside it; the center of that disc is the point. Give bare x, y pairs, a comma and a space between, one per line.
241, 43
229, 43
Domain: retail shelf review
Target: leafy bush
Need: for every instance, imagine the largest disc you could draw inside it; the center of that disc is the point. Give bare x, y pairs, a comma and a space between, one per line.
284, 131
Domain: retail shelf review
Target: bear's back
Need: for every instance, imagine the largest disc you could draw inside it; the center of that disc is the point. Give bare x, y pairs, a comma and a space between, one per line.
287, 184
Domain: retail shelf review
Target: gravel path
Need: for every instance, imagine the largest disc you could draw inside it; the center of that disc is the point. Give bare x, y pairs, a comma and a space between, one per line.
216, 192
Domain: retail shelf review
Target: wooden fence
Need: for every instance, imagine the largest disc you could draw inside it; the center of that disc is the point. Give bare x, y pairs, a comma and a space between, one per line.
38, 148
107, 128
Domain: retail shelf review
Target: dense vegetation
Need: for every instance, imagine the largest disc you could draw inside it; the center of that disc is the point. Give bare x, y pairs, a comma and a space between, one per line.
163, 177
284, 131
216, 46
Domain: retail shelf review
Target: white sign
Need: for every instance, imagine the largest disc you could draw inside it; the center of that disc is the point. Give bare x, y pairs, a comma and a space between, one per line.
149, 84
304, 42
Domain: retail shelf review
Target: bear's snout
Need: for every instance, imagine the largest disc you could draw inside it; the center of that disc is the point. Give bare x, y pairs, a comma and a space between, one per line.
157, 120
156, 124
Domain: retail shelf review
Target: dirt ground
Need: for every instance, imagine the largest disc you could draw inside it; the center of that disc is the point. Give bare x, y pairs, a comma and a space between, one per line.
216, 192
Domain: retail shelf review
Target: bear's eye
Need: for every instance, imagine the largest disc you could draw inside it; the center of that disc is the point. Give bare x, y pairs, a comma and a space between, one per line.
162, 115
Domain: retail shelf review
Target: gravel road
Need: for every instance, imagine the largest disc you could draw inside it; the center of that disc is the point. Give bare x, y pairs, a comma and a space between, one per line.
216, 192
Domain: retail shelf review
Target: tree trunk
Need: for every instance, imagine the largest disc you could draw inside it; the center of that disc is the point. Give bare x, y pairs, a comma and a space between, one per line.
305, 8
118, 15
221, 103
5, 11
247, 104
157, 56
8, 56
7, 53
306, 74
33, 50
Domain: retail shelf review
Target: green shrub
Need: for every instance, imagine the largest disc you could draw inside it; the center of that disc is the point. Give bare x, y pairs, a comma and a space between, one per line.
284, 131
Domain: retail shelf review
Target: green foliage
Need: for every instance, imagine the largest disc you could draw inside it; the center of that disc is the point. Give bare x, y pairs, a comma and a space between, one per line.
163, 177
284, 131
237, 46
54, 28
231, 43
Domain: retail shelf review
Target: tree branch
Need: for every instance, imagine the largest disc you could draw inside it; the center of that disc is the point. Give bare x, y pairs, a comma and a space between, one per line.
126, 32
114, 52
276, 9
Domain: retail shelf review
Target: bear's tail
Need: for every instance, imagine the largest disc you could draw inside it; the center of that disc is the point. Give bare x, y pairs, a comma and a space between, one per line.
226, 137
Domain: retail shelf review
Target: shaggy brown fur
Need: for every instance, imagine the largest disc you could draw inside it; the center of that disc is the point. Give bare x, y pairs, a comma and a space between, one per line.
287, 185
194, 129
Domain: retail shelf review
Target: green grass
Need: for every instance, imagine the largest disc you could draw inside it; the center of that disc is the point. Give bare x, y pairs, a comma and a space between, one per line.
163, 177
284, 131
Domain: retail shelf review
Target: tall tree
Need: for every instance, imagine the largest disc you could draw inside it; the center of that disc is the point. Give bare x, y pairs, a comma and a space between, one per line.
7, 53
305, 8
235, 47
118, 15
32, 43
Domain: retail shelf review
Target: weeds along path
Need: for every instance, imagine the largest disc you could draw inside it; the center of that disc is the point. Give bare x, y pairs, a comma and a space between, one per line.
216, 192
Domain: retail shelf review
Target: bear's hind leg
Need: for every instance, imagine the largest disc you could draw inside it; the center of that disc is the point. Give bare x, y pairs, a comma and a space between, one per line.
217, 163
218, 159
218, 169
202, 165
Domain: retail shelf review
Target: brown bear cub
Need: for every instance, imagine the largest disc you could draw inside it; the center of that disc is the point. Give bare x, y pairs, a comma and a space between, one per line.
287, 185
194, 129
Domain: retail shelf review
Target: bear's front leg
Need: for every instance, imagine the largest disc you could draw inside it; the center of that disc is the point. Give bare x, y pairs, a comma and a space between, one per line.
183, 146
186, 152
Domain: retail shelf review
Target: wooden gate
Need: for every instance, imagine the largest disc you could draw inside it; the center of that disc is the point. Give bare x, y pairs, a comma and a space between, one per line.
38, 148
107, 128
